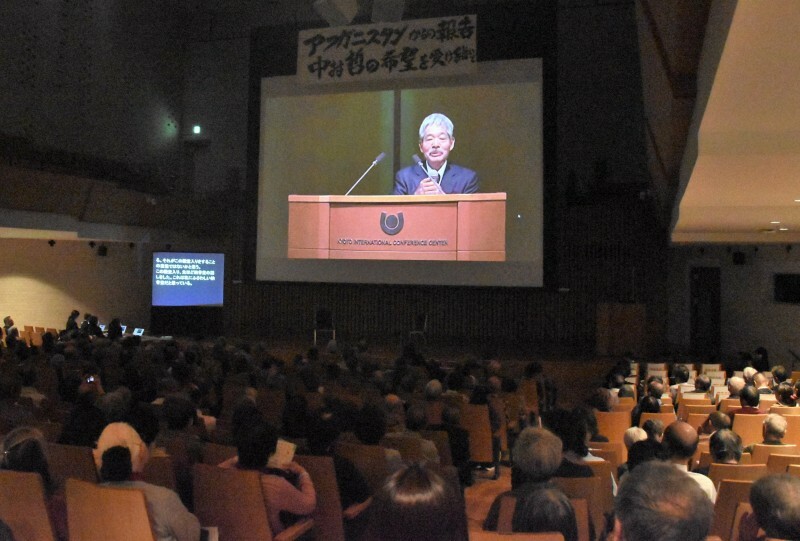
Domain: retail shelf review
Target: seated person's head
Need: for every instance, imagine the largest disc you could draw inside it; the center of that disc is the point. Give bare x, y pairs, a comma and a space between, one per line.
322, 433
370, 425
775, 503
774, 428
702, 383
571, 428
680, 440
649, 404
735, 385
600, 399
657, 502
716, 421
725, 446
654, 429
779, 373
256, 445
244, 414
179, 412
748, 397
680, 373
760, 380
644, 451
545, 510
24, 449
433, 389
116, 466
416, 503
451, 416
632, 435
784, 393
655, 389
626, 391
122, 434
748, 374
537, 453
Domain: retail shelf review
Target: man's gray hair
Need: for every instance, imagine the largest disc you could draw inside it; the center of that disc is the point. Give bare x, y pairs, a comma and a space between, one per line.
775, 425
436, 119
537, 452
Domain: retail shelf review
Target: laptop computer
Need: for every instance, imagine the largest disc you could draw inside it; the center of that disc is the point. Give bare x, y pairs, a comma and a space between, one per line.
138, 332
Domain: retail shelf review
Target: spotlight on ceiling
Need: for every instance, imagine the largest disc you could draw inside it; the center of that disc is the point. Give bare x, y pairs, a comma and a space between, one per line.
388, 11
337, 12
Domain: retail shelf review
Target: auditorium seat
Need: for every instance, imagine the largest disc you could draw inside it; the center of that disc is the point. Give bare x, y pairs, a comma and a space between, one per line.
730, 494
71, 461
739, 472
98, 513
749, 428
761, 452
779, 463
231, 500
23, 507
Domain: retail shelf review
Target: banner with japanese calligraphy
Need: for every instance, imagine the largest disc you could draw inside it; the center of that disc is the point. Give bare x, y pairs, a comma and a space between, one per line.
424, 47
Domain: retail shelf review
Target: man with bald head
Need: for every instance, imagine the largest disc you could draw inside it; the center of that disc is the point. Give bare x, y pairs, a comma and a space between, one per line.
680, 443
735, 386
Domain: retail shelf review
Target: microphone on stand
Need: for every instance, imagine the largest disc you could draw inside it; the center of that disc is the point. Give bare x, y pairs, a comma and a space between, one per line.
374, 163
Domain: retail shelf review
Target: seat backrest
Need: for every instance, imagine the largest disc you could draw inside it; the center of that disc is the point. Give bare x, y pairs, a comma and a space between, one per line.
475, 419
749, 427
704, 409
730, 493
792, 430
610, 455
785, 410
585, 488
410, 448
793, 469
232, 501
761, 451
779, 463
328, 520
369, 459
71, 461
481, 535
98, 513
728, 404
23, 507
442, 442
742, 509
668, 418
160, 470
613, 424
739, 472
216, 453
696, 420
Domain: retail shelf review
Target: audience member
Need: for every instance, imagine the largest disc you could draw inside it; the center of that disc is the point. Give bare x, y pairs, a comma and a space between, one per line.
85, 421
775, 508
648, 404
773, 430
656, 503
749, 399
726, 448
761, 383
459, 443
545, 510
735, 386
415, 421
24, 449
123, 435
716, 420
170, 520
784, 394
680, 443
12, 333
779, 374
631, 436
13, 412
370, 428
288, 490
416, 503
180, 442
654, 429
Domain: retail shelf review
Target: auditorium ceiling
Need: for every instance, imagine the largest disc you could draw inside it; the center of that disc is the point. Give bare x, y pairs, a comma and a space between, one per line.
739, 179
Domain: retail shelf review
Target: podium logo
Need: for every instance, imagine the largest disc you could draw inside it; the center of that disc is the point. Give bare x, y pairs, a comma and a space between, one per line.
392, 224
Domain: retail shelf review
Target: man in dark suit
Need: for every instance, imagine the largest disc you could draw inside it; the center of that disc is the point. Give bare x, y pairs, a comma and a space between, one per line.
438, 177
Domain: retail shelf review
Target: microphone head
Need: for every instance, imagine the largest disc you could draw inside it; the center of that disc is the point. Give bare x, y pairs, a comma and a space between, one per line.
416, 159
381, 156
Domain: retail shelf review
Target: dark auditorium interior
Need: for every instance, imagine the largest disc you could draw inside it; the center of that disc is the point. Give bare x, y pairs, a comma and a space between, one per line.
669, 201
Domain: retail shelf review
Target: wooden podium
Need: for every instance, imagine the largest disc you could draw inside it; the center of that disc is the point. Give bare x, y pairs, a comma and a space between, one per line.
414, 227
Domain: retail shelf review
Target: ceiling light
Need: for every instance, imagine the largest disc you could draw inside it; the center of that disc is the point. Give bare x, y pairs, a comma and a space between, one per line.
775, 222
783, 229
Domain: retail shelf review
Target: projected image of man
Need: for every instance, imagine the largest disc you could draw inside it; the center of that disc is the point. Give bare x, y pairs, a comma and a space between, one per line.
434, 175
